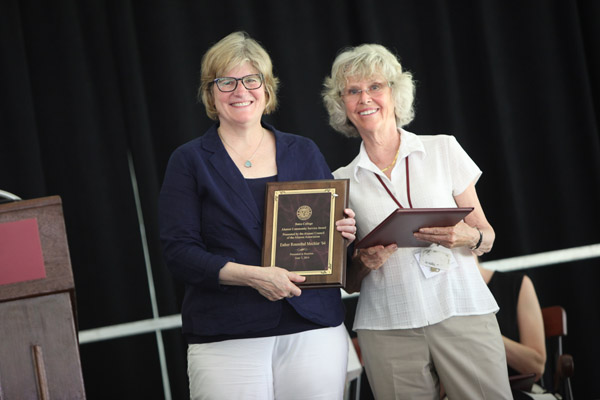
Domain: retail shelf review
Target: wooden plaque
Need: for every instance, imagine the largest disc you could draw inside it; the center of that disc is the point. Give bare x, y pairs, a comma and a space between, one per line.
299, 230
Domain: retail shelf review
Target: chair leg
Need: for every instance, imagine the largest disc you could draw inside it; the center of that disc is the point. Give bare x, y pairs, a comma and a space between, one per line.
357, 394
568, 392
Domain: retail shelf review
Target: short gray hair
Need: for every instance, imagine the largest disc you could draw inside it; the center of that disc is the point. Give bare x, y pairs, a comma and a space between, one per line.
364, 62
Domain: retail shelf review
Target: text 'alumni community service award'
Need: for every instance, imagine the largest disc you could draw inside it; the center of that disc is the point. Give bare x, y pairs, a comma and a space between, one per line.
299, 230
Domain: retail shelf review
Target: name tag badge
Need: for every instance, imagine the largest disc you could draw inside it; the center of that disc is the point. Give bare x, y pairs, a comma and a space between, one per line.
434, 260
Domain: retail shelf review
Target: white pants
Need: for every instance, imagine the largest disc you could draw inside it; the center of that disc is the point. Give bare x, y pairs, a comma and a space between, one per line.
306, 365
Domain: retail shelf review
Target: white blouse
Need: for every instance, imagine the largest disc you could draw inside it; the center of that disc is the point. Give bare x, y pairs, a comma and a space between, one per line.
402, 295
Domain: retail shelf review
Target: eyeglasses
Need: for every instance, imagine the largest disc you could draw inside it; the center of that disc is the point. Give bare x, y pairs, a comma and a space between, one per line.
229, 84
374, 90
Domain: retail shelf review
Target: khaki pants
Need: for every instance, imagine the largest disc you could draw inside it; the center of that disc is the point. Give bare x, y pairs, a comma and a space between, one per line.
465, 353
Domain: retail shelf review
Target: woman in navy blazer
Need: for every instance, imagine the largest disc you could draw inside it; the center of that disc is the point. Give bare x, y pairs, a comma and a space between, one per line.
251, 331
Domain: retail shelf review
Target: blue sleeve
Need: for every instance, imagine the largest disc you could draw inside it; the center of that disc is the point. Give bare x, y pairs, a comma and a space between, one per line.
180, 219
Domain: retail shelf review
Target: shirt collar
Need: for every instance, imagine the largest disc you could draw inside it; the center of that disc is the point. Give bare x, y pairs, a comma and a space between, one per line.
409, 143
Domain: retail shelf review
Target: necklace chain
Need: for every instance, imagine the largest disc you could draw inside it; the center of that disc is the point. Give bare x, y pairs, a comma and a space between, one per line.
248, 163
393, 162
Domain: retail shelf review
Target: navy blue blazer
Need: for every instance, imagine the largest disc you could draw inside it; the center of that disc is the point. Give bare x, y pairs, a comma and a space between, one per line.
208, 217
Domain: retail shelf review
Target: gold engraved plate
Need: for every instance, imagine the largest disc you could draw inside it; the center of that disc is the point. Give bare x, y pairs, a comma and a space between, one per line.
304, 244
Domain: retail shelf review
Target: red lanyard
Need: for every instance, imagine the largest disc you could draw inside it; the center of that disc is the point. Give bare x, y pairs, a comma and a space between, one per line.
407, 187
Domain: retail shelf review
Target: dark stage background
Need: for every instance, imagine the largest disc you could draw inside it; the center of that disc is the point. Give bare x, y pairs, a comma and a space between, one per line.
86, 84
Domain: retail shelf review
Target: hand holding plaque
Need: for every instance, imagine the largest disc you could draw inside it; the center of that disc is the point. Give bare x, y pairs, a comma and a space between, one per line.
299, 230
400, 225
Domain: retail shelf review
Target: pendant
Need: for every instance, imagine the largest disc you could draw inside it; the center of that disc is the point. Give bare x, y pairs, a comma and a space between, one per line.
247, 164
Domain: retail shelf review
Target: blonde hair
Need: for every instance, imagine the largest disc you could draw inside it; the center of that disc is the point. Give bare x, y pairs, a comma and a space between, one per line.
229, 52
364, 62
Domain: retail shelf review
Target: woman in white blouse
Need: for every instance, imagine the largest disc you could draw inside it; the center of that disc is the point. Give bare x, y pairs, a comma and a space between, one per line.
417, 326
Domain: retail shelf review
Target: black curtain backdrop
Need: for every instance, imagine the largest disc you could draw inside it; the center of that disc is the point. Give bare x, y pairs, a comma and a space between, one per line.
88, 85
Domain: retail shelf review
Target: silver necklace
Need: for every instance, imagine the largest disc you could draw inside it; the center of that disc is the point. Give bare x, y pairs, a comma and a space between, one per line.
248, 163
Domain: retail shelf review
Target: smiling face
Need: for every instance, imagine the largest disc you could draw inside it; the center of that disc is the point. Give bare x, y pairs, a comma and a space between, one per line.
242, 107
369, 105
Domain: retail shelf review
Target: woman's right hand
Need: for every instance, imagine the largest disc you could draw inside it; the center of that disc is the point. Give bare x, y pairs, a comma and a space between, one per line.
272, 282
363, 262
277, 283
374, 257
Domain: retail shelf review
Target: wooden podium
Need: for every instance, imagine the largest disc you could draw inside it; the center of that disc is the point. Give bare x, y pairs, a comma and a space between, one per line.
39, 349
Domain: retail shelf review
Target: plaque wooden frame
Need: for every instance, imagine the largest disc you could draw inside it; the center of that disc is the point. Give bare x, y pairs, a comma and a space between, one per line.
299, 230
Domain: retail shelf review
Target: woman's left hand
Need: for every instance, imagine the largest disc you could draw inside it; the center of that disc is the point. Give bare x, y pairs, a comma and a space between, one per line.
451, 237
347, 226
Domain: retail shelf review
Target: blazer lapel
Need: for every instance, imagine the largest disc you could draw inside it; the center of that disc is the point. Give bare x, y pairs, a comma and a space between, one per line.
285, 170
228, 171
